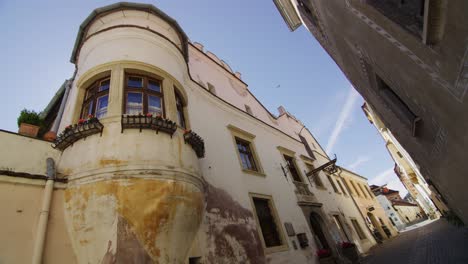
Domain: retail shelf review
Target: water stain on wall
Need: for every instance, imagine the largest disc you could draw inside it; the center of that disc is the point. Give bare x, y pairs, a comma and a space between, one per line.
147, 209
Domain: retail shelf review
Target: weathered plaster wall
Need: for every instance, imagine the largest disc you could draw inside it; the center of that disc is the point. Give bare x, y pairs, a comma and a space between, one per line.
21, 204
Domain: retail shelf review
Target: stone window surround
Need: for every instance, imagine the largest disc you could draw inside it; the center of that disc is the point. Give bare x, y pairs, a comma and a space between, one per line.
279, 226
117, 70
284, 151
246, 136
360, 233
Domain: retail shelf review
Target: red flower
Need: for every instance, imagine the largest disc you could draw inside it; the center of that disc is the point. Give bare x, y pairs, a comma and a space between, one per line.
90, 116
149, 114
347, 244
323, 253
81, 121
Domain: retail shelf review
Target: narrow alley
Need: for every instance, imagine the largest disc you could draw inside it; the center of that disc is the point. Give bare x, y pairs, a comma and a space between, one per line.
436, 242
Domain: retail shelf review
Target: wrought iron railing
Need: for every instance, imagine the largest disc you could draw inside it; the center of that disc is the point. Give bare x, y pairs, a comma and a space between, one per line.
156, 123
196, 142
75, 132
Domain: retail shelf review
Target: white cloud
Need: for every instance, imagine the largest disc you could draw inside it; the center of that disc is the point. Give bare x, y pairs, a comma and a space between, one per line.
343, 118
393, 182
360, 160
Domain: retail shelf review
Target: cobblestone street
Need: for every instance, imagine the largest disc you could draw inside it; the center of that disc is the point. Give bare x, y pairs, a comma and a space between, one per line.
435, 243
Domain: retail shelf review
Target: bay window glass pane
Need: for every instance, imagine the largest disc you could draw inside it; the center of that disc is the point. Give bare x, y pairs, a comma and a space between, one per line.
88, 110
135, 82
101, 106
104, 85
90, 92
154, 86
154, 105
134, 104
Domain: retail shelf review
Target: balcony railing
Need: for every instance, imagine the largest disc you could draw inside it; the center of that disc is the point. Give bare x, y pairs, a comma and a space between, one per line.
75, 132
156, 123
196, 142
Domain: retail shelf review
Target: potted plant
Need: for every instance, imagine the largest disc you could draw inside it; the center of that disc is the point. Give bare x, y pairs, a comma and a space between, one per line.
29, 123
325, 256
349, 250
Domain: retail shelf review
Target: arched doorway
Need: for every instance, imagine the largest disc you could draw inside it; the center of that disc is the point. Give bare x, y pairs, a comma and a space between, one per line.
316, 224
378, 231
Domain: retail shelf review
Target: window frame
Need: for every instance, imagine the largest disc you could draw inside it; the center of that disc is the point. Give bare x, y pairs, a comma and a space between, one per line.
293, 165
144, 90
95, 96
330, 180
279, 227
358, 229
180, 108
316, 177
338, 180
250, 138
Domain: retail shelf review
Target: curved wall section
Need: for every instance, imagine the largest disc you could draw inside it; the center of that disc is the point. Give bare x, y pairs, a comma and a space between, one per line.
134, 196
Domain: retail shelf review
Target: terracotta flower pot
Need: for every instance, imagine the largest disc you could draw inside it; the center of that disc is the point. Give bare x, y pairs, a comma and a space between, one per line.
28, 130
50, 136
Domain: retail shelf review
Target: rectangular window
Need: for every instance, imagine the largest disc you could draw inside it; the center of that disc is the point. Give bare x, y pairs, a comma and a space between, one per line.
358, 229
96, 99
337, 221
104, 85
144, 95
292, 168
398, 106
409, 14
268, 223
341, 186
246, 155
332, 184
355, 189
154, 86
135, 82
362, 190
316, 177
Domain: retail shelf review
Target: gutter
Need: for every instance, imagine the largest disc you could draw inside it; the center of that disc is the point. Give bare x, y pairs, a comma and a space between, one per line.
41, 232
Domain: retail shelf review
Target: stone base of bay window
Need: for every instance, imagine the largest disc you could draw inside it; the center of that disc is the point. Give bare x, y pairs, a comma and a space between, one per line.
133, 220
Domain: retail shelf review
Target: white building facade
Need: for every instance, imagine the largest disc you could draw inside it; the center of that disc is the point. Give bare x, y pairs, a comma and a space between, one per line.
165, 156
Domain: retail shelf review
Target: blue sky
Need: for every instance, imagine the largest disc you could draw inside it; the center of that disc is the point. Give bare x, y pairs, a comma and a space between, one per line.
38, 38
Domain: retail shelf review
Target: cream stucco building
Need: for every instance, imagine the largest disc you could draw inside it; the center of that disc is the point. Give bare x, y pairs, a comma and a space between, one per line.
376, 218
407, 170
163, 155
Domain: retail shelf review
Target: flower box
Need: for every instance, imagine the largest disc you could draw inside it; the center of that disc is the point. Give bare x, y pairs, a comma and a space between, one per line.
73, 133
156, 123
325, 256
196, 142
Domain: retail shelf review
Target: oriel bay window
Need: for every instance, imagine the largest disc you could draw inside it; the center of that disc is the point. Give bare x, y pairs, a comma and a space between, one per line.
96, 99
143, 95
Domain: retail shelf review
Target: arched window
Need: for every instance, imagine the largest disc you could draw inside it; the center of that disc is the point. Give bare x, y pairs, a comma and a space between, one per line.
96, 99
143, 95
180, 110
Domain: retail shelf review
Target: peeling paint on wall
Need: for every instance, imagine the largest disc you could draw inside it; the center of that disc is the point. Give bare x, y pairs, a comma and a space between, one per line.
232, 235
143, 216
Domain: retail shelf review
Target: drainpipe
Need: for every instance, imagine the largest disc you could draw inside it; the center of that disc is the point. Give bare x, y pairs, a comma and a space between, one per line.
56, 125
44, 215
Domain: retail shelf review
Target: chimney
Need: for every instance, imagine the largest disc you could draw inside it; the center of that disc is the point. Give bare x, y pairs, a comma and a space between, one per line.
281, 110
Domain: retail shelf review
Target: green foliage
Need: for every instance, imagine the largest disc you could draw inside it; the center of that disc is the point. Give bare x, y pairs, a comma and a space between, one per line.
29, 117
